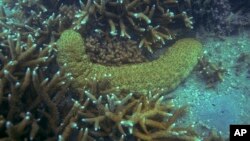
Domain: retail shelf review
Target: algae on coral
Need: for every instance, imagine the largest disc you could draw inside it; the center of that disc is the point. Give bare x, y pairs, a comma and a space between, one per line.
164, 73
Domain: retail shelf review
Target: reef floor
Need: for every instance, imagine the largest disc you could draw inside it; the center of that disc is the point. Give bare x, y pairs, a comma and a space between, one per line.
228, 102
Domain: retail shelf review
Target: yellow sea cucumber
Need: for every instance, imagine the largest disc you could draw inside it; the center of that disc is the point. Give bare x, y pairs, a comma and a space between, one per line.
164, 73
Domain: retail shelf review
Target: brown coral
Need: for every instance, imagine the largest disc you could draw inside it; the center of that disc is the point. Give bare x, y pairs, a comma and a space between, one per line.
34, 18
113, 52
210, 72
151, 22
122, 115
28, 95
34, 103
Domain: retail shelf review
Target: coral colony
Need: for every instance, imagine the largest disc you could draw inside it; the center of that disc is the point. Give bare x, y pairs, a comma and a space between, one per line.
148, 21
58, 81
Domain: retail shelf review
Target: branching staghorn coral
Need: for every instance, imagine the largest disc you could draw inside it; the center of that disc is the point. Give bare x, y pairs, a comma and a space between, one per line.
34, 104
25, 4
148, 21
125, 116
37, 18
29, 97
165, 73
34, 107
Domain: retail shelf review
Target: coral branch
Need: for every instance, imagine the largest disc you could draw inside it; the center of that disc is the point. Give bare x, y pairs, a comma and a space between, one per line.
132, 18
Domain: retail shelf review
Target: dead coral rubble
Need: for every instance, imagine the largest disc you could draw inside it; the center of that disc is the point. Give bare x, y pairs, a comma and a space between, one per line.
210, 72
150, 22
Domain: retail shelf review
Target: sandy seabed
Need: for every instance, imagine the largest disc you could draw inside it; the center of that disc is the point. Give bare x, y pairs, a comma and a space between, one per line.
228, 102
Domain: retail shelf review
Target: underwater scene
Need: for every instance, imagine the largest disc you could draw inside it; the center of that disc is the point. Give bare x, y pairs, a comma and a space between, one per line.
124, 70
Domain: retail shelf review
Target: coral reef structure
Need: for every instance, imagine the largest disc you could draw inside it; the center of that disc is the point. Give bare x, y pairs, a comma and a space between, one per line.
101, 115
114, 52
34, 106
165, 73
33, 17
30, 93
150, 22
37, 101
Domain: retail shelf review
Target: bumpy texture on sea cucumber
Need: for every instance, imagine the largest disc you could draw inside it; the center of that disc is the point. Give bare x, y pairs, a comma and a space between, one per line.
164, 73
